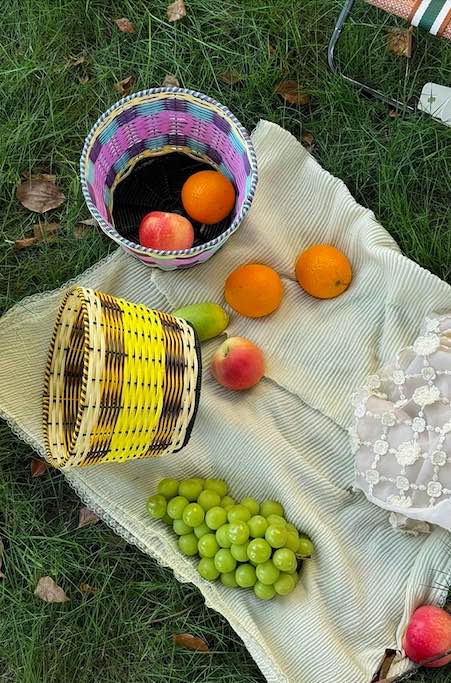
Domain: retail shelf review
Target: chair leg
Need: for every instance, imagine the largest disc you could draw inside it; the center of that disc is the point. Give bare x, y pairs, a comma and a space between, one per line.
344, 14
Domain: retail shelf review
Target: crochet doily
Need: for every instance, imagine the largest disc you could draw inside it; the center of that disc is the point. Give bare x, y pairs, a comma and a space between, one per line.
401, 435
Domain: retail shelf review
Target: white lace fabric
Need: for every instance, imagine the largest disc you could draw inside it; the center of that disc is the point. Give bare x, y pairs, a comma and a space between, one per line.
402, 431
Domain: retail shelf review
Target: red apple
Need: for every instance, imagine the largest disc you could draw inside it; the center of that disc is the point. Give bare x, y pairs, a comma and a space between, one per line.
165, 231
238, 364
428, 635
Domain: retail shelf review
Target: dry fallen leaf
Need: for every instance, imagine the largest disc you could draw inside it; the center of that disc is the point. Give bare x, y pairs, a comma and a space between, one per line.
170, 81
83, 79
231, 77
83, 228
393, 113
41, 232
308, 141
86, 517
176, 10
39, 195
190, 642
45, 231
292, 92
38, 468
49, 591
76, 60
38, 175
124, 86
124, 25
86, 588
399, 41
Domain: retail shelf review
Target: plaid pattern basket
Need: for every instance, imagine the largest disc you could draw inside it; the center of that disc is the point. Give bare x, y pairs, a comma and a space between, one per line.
157, 122
122, 381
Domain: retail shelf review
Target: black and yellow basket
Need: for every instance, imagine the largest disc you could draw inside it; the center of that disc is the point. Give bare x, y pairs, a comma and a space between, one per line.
122, 381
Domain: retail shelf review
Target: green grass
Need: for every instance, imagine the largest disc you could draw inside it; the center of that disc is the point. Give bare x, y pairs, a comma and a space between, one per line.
399, 167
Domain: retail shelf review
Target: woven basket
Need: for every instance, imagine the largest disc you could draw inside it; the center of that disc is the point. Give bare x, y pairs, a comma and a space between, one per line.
122, 381
158, 122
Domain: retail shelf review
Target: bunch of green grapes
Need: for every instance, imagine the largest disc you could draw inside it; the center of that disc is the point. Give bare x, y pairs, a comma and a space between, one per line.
246, 544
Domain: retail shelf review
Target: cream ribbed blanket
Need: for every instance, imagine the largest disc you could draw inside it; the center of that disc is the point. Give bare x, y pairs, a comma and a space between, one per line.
287, 438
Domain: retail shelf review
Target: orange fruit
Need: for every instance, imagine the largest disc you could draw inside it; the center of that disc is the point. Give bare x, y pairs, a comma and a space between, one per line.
323, 271
208, 197
254, 290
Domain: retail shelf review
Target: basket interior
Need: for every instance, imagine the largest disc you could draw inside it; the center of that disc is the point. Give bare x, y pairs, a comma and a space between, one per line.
155, 184
154, 124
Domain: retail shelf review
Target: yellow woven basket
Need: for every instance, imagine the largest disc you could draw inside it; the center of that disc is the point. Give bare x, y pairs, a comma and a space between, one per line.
122, 381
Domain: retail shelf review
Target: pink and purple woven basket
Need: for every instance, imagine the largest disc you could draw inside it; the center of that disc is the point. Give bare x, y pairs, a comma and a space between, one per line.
156, 122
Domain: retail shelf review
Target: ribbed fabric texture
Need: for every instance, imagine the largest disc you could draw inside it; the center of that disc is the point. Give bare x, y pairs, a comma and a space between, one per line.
286, 438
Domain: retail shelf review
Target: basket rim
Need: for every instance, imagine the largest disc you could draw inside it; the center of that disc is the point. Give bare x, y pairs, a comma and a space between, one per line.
134, 246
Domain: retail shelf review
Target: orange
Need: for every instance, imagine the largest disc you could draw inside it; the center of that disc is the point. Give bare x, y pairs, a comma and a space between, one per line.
323, 271
208, 197
254, 290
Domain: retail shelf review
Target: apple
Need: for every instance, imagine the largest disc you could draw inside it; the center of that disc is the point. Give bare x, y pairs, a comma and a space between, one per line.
165, 231
238, 364
428, 635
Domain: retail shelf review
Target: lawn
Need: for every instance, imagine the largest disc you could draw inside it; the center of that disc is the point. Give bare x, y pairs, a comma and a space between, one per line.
399, 166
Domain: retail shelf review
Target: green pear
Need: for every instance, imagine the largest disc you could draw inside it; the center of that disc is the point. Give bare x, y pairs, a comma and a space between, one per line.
208, 319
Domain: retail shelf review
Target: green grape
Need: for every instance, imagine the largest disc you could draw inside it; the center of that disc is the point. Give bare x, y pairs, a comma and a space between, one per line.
201, 530
264, 592
285, 560
238, 513
217, 485
271, 507
216, 517
291, 527
238, 532
168, 488
252, 505
285, 584
200, 481
296, 576
188, 544
208, 545
292, 541
191, 489
257, 526
180, 527
276, 520
239, 552
208, 499
207, 569
245, 576
222, 536
305, 547
176, 507
156, 506
275, 535
229, 580
193, 514
224, 561
167, 519
227, 502
259, 550
267, 573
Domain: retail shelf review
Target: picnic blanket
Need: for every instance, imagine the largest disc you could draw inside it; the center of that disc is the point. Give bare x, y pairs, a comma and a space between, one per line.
287, 438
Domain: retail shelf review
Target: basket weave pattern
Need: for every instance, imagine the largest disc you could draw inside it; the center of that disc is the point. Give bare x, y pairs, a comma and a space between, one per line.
161, 121
122, 381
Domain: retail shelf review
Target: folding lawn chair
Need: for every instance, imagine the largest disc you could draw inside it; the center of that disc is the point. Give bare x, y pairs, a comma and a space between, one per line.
432, 15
